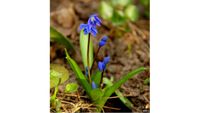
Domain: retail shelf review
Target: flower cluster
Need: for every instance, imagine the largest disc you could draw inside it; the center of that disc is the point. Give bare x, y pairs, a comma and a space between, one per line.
90, 27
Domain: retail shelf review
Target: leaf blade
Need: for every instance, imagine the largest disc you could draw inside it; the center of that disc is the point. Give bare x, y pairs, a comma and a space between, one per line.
109, 90
78, 73
58, 72
58, 37
97, 78
83, 47
119, 94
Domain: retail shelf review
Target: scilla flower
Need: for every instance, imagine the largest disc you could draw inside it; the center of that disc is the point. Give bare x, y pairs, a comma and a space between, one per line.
94, 86
102, 65
88, 29
93, 31
103, 41
94, 20
85, 28
106, 60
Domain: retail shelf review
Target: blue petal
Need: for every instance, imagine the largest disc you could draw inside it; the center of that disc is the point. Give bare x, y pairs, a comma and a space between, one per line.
105, 38
94, 86
91, 23
102, 43
97, 20
106, 59
86, 31
101, 66
94, 20
93, 31
83, 26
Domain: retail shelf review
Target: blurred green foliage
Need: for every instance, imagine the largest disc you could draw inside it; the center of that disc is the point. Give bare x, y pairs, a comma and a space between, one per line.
58, 75
146, 5
58, 72
120, 11
71, 88
147, 81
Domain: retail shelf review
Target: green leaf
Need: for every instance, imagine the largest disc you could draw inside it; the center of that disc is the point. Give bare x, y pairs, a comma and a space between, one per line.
58, 72
132, 13
71, 87
145, 2
54, 78
83, 46
105, 10
121, 3
79, 75
96, 94
118, 18
97, 78
147, 81
118, 93
58, 37
110, 90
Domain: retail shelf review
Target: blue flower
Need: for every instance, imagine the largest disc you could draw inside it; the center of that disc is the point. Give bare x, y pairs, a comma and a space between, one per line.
93, 30
94, 20
94, 86
106, 60
88, 29
101, 66
103, 41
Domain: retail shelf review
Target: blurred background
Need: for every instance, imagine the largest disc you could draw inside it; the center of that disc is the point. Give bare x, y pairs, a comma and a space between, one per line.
126, 23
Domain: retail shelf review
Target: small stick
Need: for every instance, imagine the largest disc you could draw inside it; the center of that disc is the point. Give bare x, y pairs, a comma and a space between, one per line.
120, 96
78, 96
73, 95
111, 107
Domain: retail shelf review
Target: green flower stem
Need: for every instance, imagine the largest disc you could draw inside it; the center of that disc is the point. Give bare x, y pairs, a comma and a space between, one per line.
95, 58
88, 61
101, 82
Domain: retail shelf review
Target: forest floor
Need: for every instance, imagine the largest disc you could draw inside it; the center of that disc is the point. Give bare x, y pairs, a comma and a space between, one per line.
128, 51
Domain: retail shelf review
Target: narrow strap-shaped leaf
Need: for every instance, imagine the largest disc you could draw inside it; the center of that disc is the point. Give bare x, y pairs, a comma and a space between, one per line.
119, 94
97, 78
110, 90
83, 47
58, 37
79, 75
